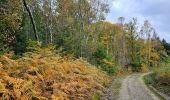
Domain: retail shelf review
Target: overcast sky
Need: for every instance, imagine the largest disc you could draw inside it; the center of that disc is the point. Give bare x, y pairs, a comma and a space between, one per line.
156, 11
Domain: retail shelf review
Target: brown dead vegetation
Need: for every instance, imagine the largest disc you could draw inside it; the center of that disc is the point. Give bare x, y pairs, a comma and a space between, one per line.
44, 75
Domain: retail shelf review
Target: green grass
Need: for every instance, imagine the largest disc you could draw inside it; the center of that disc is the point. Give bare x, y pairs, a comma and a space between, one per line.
150, 81
96, 97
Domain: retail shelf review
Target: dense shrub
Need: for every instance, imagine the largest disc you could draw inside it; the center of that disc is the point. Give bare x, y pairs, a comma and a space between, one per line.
136, 66
104, 61
42, 75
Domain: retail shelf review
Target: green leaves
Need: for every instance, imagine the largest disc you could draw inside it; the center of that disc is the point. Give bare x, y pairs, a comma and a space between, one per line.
104, 61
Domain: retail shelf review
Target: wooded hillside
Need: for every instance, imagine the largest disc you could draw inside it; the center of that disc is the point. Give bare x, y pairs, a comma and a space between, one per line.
75, 29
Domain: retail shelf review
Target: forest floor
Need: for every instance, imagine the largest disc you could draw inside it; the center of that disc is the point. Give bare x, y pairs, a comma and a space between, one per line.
131, 87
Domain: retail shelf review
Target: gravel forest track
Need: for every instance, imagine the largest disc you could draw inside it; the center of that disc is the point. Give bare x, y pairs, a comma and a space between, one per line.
134, 88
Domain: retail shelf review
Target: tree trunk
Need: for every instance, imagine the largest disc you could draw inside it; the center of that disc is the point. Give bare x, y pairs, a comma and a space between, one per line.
32, 20
50, 23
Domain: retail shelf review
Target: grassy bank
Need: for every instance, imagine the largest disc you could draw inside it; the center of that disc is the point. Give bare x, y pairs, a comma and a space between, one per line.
159, 81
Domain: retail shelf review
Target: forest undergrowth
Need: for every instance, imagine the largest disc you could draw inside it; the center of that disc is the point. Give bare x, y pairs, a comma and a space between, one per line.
42, 75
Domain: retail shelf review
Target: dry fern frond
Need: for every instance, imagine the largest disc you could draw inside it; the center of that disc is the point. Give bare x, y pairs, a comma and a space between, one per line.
45, 75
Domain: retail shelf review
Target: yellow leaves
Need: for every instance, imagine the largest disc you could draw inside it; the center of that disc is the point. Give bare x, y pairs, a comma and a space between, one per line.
155, 56
12, 85
3, 90
43, 75
27, 86
60, 96
144, 68
105, 23
1, 65
8, 63
12, 21
108, 62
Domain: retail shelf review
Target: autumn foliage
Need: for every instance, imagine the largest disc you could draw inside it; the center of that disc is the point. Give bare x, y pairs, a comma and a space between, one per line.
42, 75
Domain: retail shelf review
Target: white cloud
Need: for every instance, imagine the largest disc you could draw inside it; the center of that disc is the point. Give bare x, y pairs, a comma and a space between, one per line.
116, 4
156, 11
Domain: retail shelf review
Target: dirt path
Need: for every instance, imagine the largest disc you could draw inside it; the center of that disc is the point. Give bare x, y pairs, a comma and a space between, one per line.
133, 88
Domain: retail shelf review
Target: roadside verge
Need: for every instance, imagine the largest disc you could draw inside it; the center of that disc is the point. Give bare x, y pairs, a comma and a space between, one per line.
146, 78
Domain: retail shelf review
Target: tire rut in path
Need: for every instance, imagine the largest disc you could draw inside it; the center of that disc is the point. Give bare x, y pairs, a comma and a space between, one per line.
133, 88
